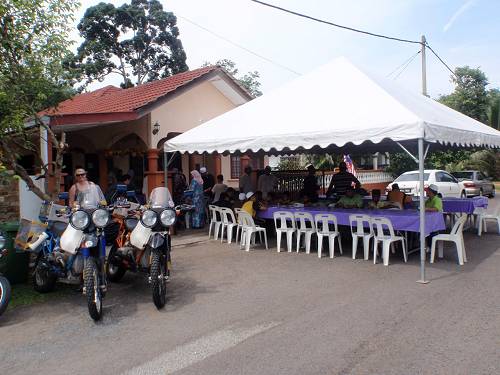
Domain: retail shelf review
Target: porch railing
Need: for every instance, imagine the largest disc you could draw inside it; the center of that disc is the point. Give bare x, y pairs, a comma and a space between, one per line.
293, 180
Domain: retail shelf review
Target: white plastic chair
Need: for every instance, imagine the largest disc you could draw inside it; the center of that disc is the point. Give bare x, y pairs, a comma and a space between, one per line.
382, 226
215, 220
307, 227
456, 235
237, 211
249, 229
484, 216
228, 223
360, 230
323, 222
286, 222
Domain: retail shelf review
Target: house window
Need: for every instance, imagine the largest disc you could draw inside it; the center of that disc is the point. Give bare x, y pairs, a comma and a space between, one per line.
235, 167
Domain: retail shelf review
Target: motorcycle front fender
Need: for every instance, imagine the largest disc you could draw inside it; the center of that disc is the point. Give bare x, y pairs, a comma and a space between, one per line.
156, 241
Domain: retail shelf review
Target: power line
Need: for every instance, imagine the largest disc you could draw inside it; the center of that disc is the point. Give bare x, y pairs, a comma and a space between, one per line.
440, 59
406, 66
353, 29
240, 46
404, 63
335, 24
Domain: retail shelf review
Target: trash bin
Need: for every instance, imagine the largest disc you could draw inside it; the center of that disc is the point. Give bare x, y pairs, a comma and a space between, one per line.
15, 265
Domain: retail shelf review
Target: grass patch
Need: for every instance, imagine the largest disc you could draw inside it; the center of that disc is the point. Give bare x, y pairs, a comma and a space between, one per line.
24, 294
497, 185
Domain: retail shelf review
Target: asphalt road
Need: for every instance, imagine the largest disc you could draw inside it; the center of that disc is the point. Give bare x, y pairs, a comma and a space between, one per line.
232, 312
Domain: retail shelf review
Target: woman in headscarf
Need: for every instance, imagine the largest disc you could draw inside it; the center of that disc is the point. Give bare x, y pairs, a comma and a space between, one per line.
198, 216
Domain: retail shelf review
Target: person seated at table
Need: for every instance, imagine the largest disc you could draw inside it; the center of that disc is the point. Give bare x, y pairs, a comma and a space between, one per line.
224, 201
284, 198
231, 194
252, 205
376, 203
350, 199
342, 180
396, 195
433, 202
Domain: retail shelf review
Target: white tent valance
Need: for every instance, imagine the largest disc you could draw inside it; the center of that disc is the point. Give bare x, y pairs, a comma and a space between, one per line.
334, 105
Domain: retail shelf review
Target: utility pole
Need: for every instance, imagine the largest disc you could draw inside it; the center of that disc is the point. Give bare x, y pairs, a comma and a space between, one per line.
421, 157
424, 70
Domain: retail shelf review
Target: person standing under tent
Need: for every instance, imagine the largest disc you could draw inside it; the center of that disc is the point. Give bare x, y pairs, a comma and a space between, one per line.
342, 180
267, 182
198, 215
245, 184
218, 188
311, 186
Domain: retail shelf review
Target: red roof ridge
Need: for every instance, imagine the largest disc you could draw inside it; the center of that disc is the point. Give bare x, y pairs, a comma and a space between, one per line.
110, 99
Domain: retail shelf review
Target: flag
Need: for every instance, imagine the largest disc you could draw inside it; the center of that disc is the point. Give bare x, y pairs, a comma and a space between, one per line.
350, 164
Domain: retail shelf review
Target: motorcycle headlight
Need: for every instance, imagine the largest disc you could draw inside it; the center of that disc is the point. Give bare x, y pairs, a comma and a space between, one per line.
3, 241
149, 218
80, 220
100, 217
167, 217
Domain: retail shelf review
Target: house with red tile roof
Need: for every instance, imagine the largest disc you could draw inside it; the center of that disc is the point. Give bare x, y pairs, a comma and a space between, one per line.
113, 131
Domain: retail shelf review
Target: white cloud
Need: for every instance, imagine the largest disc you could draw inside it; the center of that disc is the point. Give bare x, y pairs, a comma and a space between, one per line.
458, 13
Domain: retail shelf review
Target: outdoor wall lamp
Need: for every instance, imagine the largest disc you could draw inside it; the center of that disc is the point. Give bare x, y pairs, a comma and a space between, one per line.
156, 128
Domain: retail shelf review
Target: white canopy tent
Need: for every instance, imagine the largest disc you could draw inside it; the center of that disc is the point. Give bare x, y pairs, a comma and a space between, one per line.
338, 108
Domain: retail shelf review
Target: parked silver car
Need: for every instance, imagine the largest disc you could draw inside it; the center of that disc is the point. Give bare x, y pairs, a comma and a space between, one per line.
475, 183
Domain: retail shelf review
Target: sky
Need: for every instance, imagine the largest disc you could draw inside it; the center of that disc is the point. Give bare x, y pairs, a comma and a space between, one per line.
462, 32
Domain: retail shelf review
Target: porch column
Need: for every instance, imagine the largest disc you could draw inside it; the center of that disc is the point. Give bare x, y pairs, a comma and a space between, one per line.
217, 164
103, 171
154, 176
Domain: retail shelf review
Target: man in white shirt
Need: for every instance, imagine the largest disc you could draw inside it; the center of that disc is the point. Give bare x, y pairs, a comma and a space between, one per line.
267, 182
218, 188
245, 184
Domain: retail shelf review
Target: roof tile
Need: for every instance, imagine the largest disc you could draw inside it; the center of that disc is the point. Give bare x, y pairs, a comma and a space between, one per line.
111, 99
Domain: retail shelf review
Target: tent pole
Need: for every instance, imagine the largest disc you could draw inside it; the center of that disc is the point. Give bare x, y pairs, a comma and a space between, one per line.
421, 158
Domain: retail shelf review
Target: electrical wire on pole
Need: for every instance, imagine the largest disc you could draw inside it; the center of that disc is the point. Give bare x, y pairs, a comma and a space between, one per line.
239, 46
403, 66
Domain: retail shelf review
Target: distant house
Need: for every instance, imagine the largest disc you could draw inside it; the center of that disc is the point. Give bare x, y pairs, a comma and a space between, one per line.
112, 131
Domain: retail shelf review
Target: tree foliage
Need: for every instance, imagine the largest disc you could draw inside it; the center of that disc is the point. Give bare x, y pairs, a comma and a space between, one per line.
139, 41
470, 96
34, 41
250, 80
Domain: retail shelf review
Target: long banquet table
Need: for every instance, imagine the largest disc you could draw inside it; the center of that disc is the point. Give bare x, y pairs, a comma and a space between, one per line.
464, 205
403, 220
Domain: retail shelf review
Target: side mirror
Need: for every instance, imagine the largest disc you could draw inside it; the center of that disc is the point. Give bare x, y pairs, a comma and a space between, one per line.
64, 195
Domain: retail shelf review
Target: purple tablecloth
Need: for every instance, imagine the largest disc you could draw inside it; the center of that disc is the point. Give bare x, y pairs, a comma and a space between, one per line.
404, 220
464, 205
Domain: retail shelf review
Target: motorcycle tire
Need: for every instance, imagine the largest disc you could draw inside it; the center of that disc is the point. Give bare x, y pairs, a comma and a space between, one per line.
114, 273
43, 280
92, 289
158, 282
5, 293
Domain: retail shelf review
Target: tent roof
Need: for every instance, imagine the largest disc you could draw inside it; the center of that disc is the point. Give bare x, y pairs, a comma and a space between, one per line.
334, 107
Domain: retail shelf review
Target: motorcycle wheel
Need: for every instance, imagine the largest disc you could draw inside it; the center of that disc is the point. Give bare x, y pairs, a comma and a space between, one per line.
43, 280
92, 289
114, 273
4, 294
158, 282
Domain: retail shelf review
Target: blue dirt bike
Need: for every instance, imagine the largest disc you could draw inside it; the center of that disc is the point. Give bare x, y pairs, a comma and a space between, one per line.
51, 264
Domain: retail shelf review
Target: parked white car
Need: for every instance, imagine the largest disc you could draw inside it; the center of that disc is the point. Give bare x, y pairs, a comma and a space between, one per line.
448, 185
